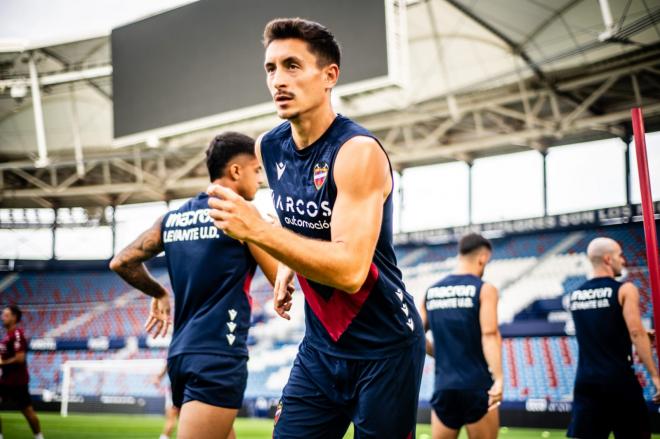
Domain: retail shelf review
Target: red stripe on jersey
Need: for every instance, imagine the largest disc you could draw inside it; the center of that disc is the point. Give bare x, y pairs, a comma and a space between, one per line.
246, 285
339, 311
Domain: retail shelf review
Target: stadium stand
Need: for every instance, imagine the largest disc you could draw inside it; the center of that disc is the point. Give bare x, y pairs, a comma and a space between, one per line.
533, 272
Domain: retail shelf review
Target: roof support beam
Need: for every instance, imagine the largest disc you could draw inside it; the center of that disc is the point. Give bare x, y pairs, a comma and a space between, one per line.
590, 100
38, 113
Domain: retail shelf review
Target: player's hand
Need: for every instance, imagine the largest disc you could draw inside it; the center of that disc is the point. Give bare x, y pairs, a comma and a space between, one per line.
495, 395
159, 319
155, 380
282, 291
656, 384
232, 214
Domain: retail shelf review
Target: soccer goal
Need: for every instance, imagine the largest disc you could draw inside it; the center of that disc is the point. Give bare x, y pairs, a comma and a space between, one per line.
98, 385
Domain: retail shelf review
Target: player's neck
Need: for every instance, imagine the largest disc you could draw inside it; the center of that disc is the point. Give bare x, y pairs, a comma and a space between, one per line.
310, 126
226, 182
10, 328
603, 271
466, 267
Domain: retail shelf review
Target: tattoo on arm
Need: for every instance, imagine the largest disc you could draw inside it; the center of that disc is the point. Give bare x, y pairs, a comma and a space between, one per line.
129, 263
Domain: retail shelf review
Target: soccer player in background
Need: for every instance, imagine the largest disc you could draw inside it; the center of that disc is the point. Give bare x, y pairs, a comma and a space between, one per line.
171, 412
607, 396
210, 274
362, 355
15, 378
461, 312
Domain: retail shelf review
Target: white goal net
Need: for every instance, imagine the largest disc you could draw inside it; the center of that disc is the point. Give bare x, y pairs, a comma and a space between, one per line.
104, 385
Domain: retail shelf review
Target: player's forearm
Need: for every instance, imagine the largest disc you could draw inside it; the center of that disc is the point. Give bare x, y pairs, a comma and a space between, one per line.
492, 348
326, 262
137, 276
129, 263
13, 360
268, 264
643, 347
429, 348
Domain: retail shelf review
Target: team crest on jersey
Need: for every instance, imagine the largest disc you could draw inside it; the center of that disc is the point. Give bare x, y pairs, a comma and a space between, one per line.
320, 174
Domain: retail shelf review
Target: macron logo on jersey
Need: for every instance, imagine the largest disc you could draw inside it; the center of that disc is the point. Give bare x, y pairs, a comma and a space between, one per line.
450, 297
591, 299
280, 169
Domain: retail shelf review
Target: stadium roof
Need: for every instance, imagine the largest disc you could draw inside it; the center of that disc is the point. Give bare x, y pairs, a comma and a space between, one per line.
483, 78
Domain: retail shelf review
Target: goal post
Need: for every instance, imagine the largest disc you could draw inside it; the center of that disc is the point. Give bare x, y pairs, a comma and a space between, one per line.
648, 214
98, 369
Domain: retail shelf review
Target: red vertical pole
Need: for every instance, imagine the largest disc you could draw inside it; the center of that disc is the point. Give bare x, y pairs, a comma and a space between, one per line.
649, 215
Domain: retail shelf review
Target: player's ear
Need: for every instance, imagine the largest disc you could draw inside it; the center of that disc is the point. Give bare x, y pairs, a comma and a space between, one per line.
483, 257
235, 171
331, 75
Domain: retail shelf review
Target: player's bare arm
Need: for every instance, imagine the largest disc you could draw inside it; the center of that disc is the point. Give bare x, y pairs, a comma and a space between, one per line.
159, 376
343, 262
283, 291
19, 358
491, 340
129, 264
425, 324
266, 262
629, 299
279, 276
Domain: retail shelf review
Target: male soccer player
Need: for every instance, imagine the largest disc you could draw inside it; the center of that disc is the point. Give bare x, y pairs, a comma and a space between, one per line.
607, 396
210, 274
461, 312
362, 356
15, 378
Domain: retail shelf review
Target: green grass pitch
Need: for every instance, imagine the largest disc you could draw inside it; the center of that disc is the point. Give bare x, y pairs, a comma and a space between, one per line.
143, 427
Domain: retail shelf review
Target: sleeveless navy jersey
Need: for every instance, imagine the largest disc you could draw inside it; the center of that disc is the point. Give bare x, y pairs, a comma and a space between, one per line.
605, 349
211, 275
381, 318
452, 308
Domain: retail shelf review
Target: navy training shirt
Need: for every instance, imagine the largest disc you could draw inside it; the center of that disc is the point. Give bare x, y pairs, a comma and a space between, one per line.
604, 346
452, 309
381, 318
210, 274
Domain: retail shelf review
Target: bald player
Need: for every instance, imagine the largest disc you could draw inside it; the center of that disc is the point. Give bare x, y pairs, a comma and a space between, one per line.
607, 396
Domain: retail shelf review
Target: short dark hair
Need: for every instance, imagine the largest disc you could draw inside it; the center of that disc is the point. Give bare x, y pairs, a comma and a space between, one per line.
320, 40
16, 311
225, 147
473, 242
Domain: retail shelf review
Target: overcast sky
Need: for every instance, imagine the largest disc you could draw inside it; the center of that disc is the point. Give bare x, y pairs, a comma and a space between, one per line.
38, 22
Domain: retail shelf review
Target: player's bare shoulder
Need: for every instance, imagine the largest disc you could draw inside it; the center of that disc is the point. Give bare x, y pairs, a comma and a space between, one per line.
257, 146
489, 289
628, 291
362, 162
363, 146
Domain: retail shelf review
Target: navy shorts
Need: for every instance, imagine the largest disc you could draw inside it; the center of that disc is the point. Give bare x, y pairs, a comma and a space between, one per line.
599, 410
19, 395
218, 380
325, 394
458, 407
